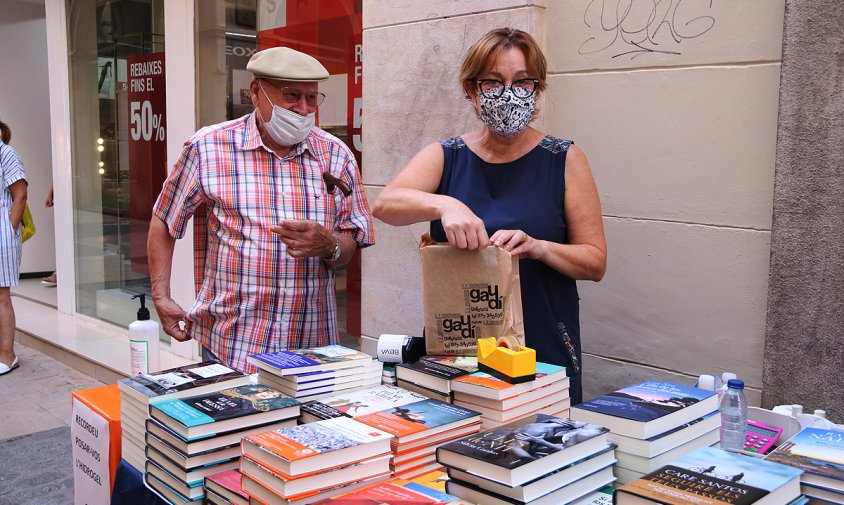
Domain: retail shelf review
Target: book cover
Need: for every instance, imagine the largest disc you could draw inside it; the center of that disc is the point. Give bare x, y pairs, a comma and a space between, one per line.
712, 476
179, 379
315, 409
467, 363
814, 450
304, 360
307, 440
515, 444
601, 497
443, 369
366, 401
488, 381
417, 417
646, 401
227, 404
393, 492
227, 481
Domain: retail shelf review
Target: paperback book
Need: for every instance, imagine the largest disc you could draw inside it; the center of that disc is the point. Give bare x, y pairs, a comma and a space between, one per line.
519, 452
658, 444
436, 372
710, 476
420, 419
316, 446
394, 492
819, 453
647, 409
227, 485
226, 410
187, 380
484, 385
204, 445
359, 402
330, 357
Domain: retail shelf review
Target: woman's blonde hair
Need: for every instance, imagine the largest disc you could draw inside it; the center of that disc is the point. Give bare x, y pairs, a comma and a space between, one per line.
482, 54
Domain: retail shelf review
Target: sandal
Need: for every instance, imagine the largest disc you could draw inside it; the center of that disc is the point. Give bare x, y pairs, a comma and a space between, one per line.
4, 368
50, 280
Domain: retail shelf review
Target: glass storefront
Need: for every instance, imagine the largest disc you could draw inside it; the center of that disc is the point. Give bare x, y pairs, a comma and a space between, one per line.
116, 59
228, 32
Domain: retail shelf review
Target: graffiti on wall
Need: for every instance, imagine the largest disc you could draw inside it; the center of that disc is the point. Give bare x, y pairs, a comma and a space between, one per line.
633, 28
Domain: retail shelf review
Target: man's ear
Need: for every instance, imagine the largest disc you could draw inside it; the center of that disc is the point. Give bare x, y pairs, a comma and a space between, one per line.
254, 89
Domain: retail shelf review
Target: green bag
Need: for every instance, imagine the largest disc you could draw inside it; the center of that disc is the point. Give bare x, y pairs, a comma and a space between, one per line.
27, 224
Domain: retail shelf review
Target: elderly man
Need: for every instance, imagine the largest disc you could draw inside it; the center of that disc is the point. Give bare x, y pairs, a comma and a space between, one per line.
277, 205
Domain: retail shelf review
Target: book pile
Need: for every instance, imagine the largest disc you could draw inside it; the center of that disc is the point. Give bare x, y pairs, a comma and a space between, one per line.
388, 376
419, 428
540, 460
500, 402
223, 488
136, 393
710, 476
394, 492
193, 437
653, 423
309, 462
432, 376
820, 454
357, 403
309, 374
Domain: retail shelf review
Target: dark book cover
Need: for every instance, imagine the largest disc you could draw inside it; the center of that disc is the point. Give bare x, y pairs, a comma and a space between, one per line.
181, 378
227, 404
520, 442
447, 369
647, 401
320, 410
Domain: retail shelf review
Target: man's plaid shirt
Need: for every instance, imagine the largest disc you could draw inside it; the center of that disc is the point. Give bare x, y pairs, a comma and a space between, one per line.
251, 296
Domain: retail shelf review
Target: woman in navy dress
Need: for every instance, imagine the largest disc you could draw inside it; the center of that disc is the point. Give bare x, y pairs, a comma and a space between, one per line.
506, 184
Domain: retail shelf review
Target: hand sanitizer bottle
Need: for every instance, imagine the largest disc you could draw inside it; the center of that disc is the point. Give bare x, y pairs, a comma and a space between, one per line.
143, 342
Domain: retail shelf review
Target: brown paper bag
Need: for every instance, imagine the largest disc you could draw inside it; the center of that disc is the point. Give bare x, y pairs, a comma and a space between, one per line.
468, 295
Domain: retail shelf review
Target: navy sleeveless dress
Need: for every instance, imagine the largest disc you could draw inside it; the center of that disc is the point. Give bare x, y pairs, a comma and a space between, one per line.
526, 194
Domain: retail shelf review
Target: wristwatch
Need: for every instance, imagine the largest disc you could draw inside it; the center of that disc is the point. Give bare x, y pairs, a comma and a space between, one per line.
335, 254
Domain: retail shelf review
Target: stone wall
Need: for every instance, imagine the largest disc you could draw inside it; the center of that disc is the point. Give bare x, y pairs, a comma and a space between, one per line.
679, 123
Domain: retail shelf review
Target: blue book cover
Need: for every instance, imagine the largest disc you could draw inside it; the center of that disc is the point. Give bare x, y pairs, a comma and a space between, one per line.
307, 360
223, 405
647, 401
714, 476
815, 450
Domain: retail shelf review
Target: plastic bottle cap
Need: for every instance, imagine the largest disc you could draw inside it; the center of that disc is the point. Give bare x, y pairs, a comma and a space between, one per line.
820, 413
706, 382
735, 384
726, 376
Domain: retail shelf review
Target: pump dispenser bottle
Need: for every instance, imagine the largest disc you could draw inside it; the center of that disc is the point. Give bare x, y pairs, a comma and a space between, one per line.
143, 342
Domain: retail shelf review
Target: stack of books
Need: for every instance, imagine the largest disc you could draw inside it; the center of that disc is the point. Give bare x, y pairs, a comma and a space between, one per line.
309, 374
653, 423
394, 492
500, 402
217, 420
541, 460
432, 376
419, 428
388, 376
357, 403
309, 462
819, 453
710, 476
223, 488
136, 393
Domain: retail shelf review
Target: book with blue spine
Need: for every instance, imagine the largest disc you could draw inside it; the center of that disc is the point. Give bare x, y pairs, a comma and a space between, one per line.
226, 410
819, 452
647, 409
710, 476
330, 357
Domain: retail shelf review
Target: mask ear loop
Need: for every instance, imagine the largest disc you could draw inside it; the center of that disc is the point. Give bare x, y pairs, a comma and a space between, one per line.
263, 121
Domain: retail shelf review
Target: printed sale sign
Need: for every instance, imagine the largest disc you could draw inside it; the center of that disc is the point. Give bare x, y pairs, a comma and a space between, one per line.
147, 146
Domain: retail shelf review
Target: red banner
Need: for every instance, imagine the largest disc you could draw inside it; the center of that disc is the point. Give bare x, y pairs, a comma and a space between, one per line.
147, 147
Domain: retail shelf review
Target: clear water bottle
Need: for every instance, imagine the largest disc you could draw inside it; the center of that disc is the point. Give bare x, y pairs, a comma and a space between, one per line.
733, 416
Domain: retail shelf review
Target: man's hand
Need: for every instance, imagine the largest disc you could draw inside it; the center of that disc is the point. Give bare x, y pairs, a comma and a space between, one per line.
305, 238
171, 314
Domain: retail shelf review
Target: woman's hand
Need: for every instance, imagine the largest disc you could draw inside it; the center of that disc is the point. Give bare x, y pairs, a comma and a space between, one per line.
462, 227
519, 244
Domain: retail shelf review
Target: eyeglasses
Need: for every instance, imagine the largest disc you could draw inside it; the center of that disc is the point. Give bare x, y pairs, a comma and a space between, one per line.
493, 88
291, 95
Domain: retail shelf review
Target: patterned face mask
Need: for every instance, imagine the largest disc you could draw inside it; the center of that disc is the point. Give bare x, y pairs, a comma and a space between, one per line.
508, 114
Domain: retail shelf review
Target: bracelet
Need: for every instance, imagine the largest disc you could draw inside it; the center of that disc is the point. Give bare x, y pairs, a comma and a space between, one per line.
335, 254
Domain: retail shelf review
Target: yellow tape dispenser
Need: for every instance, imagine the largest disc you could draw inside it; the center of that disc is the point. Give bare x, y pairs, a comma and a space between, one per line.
505, 359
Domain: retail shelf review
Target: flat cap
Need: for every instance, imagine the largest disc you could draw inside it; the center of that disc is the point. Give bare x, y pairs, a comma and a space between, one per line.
286, 64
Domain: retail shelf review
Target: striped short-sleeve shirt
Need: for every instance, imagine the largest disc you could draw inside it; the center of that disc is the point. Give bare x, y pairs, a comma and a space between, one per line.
253, 297
11, 171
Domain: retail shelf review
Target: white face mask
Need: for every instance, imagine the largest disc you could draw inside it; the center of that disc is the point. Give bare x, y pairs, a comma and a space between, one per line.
286, 127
